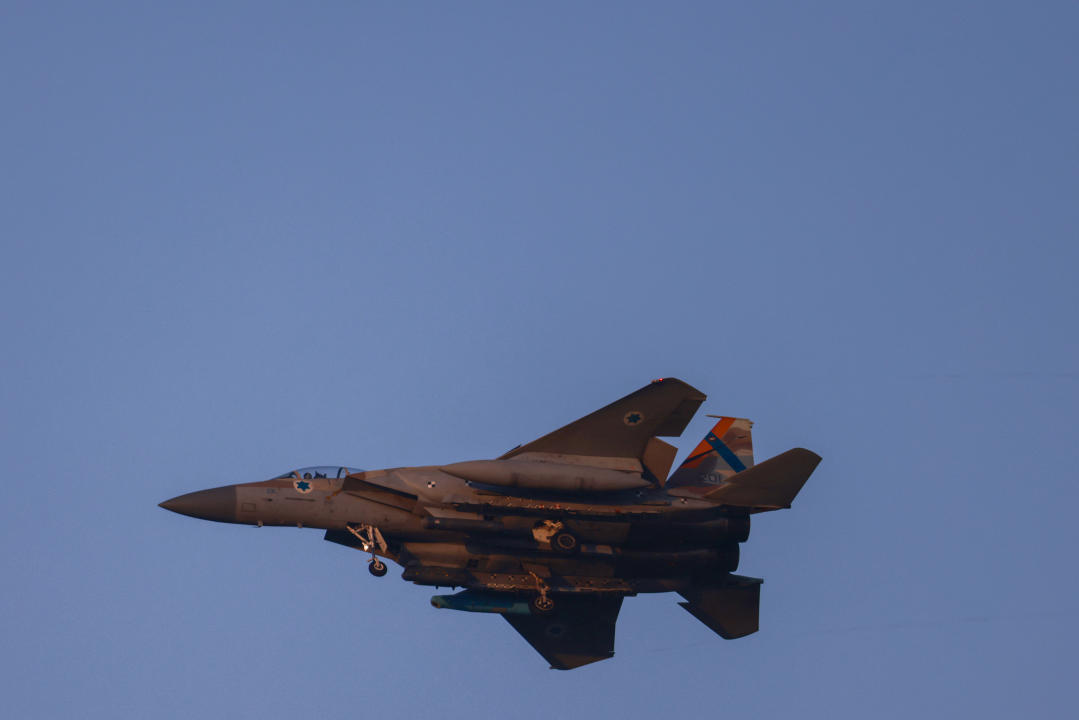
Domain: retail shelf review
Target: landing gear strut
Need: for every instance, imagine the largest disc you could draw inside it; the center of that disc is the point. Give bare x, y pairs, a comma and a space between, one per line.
541, 604
370, 539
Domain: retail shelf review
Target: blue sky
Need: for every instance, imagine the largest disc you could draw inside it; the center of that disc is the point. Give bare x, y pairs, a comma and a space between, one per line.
255, 236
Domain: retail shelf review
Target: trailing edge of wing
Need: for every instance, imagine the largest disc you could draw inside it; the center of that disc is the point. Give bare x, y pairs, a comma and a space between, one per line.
623, 428
769, 485
579, 632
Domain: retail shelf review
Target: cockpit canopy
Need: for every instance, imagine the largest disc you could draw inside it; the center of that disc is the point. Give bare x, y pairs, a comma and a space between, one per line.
319, 471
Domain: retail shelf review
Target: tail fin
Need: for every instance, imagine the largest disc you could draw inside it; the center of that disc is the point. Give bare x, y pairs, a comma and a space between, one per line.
725, 451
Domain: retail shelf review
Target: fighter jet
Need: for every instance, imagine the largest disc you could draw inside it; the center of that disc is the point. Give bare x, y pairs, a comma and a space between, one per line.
554, 534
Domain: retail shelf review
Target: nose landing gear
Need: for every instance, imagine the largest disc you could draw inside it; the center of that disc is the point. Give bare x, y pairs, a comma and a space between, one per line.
370, 539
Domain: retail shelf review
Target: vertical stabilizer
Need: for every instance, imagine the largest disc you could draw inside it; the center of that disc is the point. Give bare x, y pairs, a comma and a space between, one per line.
726, 450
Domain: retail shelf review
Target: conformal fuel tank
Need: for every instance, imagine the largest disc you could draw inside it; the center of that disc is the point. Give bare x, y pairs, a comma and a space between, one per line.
561, 477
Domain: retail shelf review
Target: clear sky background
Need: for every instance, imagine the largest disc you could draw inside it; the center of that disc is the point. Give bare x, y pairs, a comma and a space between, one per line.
242, 237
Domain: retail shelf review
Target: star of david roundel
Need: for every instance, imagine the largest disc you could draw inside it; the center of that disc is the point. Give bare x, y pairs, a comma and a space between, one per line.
633, 417
302, 486
555, 630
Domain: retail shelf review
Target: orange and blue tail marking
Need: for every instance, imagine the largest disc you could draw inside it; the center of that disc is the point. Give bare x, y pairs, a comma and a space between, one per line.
711, 443
727, 449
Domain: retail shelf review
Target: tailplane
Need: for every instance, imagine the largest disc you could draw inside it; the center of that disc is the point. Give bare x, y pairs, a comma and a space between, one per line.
769, 486
731, 609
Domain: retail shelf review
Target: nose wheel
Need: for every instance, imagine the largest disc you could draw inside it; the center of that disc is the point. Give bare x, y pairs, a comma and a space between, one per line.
377, 568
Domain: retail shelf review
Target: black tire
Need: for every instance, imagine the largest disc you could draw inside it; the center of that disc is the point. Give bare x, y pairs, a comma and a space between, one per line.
565, 543
377, 568
542, 605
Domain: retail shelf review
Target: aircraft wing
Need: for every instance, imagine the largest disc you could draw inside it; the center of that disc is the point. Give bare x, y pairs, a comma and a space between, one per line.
624, 428
578, 632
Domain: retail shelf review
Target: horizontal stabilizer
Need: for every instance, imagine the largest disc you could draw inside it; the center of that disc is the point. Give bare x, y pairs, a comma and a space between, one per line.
731, 611
769, 485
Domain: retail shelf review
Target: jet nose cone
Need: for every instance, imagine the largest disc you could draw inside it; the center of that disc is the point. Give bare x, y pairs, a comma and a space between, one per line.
217, 504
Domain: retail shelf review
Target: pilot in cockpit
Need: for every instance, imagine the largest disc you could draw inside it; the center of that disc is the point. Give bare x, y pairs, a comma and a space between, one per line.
317, 473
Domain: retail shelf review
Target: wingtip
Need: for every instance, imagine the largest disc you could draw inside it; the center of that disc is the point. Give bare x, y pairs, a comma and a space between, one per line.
669, 379
809, 455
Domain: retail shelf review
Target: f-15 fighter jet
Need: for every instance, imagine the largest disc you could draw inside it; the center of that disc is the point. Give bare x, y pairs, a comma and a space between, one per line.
554, 534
